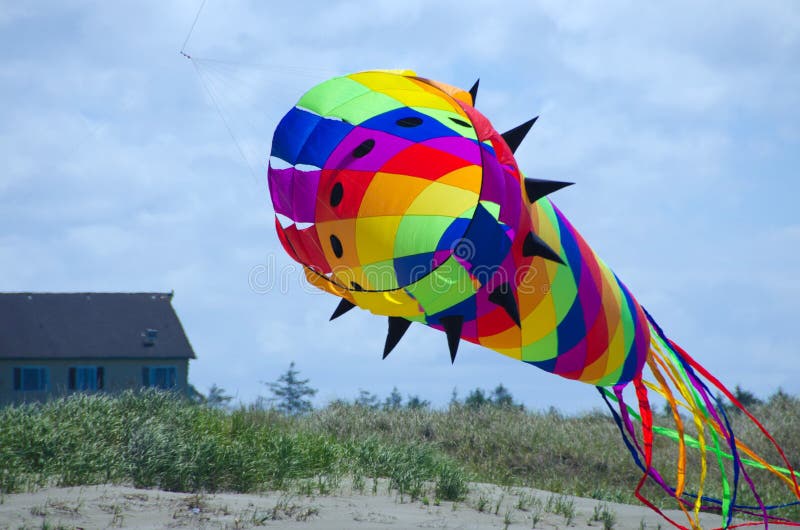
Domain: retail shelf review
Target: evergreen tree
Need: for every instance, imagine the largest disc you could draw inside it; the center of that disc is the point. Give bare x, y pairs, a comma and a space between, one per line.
780, 397
217, 398
476, 399
745, 397
393, 401
416, 402
367, 400
290, 393
501, 397
454, 397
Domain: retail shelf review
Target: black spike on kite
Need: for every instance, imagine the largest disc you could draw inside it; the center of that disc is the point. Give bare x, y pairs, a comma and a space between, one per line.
397, 328
504, 297
515, 136
538, 188
344, 306
534, 246
474, 91
452, 326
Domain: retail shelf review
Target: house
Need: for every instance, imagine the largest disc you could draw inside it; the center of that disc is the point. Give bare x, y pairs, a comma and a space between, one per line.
58, 343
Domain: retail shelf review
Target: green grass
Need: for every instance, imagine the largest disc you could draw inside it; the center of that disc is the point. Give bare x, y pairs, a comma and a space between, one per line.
155, 440
580, 455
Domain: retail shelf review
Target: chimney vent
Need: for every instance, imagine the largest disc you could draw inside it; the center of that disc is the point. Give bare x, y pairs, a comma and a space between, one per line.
149, 337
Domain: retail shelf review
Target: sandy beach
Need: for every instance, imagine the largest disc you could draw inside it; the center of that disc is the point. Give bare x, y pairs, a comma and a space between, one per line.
487, 506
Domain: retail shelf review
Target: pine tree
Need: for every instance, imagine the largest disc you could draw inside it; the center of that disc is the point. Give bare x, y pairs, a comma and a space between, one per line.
501, 397
290, 393
454, 397
415, 402
393, 401
476, 399
217, 398
745, 397
366, 399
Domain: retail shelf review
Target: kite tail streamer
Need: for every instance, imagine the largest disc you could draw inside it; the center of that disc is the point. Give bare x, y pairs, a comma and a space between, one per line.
685, 384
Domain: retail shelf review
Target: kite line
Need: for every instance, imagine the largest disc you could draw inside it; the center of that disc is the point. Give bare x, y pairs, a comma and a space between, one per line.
191, 30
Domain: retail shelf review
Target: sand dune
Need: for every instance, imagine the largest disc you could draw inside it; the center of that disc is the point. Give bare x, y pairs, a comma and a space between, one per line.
487, 506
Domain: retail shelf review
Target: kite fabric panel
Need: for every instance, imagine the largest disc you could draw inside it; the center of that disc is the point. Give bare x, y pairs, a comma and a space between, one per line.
399, 197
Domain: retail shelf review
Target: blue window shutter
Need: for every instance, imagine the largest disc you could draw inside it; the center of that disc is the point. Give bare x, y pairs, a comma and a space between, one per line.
100, 377
145, 376
71, 378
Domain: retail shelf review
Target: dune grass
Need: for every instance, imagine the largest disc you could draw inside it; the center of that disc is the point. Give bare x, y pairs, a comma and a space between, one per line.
153, 439
580, 455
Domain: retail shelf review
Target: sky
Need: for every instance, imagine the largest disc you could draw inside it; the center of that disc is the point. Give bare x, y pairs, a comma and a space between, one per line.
128, 167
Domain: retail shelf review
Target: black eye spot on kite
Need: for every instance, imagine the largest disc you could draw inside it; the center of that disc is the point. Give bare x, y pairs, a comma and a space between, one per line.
411, 121
356, 287
336, 194
460, 122
364, 148
336, 245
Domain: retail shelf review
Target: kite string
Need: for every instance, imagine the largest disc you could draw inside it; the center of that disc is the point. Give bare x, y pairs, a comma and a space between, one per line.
207, 86
210, 89
191, 29
210, 92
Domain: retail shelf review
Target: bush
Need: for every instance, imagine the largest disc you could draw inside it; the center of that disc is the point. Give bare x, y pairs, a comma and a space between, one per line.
156, 439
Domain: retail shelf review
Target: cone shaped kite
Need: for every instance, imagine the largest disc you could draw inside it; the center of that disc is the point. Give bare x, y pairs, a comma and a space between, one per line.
399, 197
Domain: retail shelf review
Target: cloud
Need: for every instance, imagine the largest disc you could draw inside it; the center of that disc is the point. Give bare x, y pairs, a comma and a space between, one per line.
678, 124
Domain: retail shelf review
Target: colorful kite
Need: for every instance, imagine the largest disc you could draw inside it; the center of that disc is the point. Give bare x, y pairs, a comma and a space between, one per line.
398, 197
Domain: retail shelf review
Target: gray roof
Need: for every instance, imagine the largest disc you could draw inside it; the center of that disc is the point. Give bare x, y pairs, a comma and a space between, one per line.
90, 325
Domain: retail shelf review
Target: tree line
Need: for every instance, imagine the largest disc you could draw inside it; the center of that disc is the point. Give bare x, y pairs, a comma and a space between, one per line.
291, 395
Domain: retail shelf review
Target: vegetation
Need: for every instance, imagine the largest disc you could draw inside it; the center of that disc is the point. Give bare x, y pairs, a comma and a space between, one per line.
217, 397
499, 397
154, 439
582, 454
393, 401
290, 394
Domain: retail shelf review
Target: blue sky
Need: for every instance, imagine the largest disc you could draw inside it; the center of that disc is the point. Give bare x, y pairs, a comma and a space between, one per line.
678, 121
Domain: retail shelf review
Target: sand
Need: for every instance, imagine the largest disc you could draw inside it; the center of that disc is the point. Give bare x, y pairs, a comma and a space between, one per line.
487, 506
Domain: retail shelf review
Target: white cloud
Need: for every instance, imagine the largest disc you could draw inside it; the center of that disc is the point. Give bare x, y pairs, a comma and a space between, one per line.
678, 124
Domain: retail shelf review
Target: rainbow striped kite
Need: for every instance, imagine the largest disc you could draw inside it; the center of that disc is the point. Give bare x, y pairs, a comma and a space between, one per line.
399, 197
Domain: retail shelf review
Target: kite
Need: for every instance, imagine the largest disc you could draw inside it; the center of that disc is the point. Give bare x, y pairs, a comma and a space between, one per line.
399, 197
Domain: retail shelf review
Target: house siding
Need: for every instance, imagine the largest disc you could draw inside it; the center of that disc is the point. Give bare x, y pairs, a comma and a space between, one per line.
118, 375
